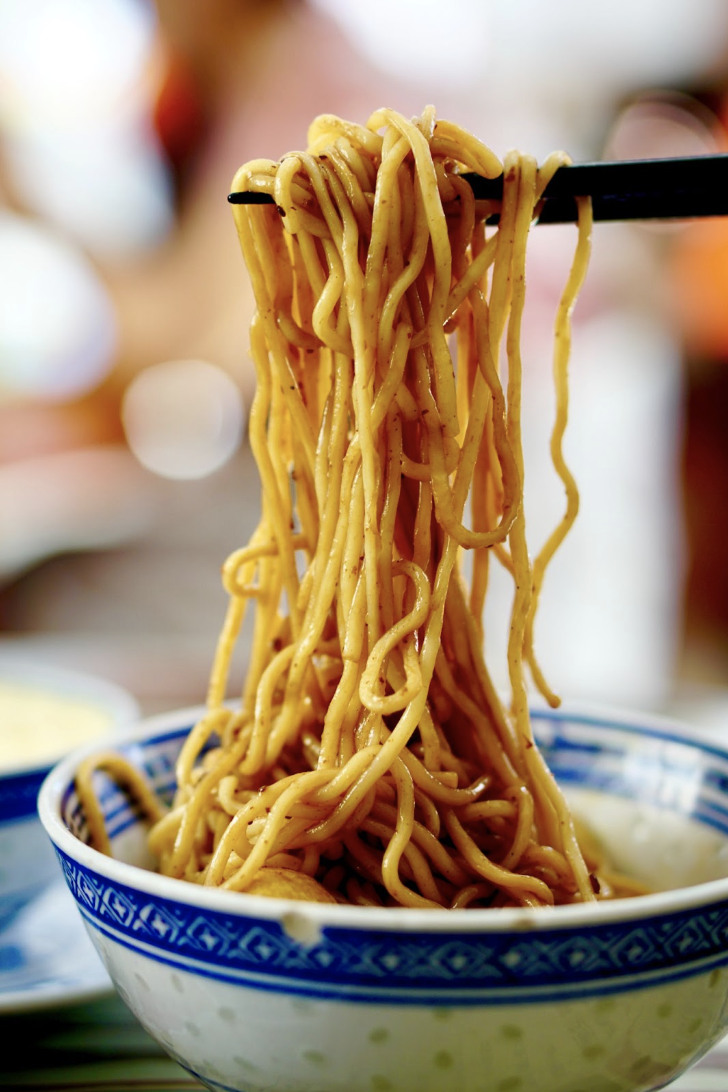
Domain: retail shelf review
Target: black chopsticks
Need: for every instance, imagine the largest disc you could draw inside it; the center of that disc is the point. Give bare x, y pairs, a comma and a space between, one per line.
640, 189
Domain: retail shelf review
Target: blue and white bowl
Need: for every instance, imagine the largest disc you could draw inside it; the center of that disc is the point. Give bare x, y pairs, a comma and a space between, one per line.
27, 864
251, 993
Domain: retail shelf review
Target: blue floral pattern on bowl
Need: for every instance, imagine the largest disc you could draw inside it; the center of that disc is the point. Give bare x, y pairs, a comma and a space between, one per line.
373, 965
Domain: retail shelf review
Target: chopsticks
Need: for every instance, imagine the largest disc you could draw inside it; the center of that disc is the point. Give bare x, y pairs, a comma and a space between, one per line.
639, 189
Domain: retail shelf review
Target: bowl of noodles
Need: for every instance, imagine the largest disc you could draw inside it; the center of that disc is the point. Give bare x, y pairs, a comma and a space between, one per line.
371, 870
251, 992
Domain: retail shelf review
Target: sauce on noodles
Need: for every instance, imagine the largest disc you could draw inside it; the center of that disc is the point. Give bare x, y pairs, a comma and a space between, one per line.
370, 759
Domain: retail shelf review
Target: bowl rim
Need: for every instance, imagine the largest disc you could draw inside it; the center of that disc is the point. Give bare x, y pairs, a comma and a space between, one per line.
382, 919
118, 702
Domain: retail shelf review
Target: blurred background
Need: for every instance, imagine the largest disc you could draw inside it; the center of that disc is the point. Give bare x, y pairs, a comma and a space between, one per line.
125, 472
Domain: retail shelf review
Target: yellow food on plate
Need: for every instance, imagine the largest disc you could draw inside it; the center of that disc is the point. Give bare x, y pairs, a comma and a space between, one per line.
38, 726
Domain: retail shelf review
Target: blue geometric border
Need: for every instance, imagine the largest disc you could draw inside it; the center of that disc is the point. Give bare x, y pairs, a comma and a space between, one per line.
662, 769
422, 967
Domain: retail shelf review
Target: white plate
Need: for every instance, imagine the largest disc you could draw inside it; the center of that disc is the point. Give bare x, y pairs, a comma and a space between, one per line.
46, 957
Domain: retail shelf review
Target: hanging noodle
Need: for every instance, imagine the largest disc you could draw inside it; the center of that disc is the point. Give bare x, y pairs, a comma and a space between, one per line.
370, 759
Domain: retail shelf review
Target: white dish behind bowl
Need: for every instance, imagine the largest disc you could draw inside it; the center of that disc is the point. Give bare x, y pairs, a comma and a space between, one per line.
106, 707
47, 957
26, 865
253, 993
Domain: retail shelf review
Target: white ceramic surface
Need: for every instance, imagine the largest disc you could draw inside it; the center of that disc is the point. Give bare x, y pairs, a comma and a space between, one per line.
27, 862
255, 994
47, 958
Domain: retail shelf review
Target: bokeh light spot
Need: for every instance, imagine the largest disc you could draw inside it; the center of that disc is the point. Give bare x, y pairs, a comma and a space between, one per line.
57, 328
183, 419
68, 61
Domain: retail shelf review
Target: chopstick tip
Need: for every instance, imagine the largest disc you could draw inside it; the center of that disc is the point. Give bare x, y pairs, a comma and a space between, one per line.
250, 197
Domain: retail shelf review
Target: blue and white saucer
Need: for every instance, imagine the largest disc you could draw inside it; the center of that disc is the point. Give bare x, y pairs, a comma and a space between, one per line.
46, 957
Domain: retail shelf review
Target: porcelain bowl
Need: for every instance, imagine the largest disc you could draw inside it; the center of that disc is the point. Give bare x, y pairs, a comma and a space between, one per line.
27, 862
254, 994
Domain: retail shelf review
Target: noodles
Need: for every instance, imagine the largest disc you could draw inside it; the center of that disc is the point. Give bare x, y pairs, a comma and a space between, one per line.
370, 751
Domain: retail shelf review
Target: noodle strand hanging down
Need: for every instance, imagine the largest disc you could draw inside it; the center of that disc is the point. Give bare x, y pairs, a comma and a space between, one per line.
370, 754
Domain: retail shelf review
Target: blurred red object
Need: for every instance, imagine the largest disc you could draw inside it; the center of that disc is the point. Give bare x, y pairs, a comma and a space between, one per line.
178, 116
699, 279
700, 289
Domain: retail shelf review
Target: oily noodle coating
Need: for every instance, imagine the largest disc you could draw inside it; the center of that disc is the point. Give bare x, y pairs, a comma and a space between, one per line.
370, 750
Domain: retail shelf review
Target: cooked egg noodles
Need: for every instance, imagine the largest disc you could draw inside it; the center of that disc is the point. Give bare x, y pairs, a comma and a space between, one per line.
370, 758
